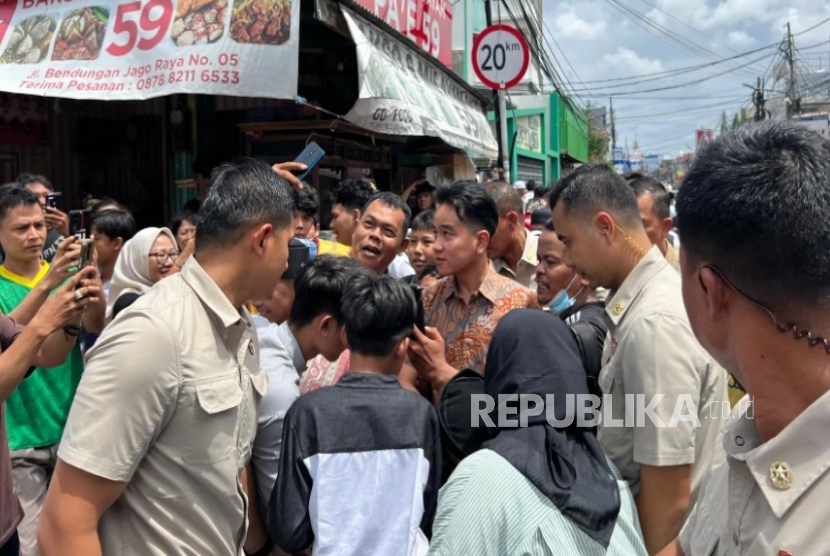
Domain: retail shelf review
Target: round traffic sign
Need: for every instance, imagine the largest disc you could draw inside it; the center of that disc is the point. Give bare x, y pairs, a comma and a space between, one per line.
500, 56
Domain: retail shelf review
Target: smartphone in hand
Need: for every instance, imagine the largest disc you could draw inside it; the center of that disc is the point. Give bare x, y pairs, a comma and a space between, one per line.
311, 157
86, 253
419, 304
78, 223
53, 199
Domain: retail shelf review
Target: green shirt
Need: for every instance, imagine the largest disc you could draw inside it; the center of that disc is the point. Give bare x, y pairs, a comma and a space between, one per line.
36, 411
489, 507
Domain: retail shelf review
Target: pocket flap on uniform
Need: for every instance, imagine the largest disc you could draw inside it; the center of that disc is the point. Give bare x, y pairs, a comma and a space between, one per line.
260, 381
219, 394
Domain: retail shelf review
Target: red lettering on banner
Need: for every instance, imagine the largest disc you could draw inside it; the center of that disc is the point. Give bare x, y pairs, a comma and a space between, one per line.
39, 3
428, 23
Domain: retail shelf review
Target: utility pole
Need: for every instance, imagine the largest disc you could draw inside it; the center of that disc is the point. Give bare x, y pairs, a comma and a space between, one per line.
759, 101
613, 129
499, 108
793, 108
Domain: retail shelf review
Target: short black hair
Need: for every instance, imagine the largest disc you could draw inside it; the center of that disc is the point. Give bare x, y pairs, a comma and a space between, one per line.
14, 196
474, 207
379, 312
755, 204
540, 216
353, 193
506, 197
26, 178
181, 218
243, 194
424, 221
530, 185
106, 202
319, 287
594, 188
307, 201
392, 200
115, 224
642, 184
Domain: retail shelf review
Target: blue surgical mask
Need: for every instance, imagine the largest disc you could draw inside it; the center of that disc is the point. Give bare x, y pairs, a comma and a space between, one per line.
561, 302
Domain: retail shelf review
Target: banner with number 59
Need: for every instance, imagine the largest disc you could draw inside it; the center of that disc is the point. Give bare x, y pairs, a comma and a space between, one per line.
137, 49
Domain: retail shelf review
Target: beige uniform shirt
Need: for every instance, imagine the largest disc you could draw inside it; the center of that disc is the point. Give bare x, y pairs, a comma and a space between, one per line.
168, 404
526, 269
672, 256
765, 499
651, 350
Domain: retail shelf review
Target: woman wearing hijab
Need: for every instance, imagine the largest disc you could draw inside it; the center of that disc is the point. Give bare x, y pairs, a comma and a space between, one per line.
535, 489
144, 260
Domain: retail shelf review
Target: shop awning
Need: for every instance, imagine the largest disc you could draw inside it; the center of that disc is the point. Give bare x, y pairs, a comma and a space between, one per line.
404, 92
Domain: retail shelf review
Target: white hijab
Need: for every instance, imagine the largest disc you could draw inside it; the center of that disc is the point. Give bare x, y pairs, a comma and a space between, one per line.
132, 267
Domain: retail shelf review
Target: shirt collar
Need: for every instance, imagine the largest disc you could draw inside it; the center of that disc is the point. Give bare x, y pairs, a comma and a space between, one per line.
209, 293
292, 346
620, 300
489, 289
528, 257
800, 445
362, 379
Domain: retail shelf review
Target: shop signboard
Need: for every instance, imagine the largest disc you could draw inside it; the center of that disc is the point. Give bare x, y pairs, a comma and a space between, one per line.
138, 49
428, 23
403, 93
529, 133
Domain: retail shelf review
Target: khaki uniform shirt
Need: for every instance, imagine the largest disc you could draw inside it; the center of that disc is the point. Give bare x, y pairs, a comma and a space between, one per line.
672, 256
765, 498
650, 350
526, 269
168, 404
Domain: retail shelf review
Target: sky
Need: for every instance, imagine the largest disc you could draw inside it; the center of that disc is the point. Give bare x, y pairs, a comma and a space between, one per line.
601, 43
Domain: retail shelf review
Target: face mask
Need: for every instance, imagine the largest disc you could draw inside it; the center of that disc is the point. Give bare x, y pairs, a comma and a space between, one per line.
561, 302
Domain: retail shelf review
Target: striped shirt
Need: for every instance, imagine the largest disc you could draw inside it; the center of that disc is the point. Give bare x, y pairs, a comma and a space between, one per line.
488, 507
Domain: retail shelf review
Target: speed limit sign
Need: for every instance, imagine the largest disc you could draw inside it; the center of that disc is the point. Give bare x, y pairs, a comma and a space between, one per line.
500, 56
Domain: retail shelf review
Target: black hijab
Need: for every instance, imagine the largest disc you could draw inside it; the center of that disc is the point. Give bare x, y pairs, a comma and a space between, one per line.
533, 352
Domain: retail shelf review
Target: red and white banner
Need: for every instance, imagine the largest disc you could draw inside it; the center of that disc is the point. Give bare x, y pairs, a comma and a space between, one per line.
428, 23
137, 49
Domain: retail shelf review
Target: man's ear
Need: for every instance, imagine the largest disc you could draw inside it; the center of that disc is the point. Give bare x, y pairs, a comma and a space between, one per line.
404, 245
666, 226
403, 347
343, 338
259, 236
715, 292
482, 241
118, 243
605, 226
325, 324
356, 216
513, 220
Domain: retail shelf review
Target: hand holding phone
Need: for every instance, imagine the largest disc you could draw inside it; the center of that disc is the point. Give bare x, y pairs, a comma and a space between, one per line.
77, 224
53, 199
311, 157
86, 253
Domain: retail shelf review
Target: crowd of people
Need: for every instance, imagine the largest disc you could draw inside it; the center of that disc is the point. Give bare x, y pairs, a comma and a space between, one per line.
234, 383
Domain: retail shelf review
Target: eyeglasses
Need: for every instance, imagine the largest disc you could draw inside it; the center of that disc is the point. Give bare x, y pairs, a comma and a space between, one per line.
788, 328
163, 256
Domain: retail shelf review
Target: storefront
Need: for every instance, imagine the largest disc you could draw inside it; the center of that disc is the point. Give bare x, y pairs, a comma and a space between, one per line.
544, 135
126, 114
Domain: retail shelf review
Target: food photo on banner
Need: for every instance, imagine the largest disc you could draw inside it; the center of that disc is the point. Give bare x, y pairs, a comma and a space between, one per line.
109, 50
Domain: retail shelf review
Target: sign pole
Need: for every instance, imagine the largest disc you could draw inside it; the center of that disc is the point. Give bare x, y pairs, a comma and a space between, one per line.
500, 59
504, 150
497, 96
